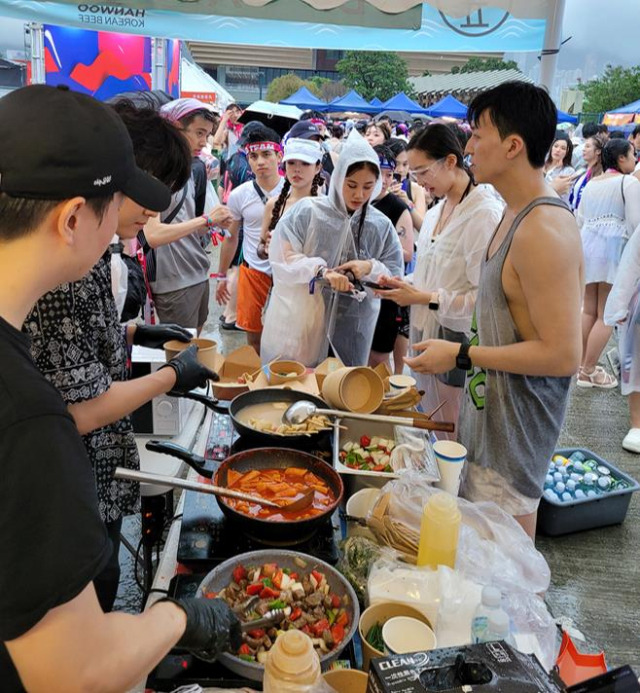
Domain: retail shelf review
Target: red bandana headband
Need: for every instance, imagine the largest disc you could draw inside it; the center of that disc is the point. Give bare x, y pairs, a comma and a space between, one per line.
318, 121
263, 147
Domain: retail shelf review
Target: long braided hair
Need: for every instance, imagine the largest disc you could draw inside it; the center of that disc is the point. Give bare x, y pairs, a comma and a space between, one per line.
280, 203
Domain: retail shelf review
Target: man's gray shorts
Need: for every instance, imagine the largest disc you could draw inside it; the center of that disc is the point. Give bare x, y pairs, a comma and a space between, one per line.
187, 307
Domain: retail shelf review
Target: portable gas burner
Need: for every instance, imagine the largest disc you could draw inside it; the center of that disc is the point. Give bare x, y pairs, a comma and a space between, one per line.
208, 538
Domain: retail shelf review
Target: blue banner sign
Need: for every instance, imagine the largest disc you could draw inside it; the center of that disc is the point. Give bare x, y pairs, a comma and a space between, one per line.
484, 30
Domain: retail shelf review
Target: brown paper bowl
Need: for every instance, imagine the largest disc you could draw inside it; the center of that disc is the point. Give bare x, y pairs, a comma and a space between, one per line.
282, 372
381, 613
347, 680
207, 350
358, 389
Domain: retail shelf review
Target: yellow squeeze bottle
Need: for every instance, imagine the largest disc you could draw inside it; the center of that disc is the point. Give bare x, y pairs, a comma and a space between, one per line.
439, 531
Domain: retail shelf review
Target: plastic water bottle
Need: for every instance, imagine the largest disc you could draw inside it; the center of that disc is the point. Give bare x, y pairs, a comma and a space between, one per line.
439, 531
292, 665
498, 627
491, 600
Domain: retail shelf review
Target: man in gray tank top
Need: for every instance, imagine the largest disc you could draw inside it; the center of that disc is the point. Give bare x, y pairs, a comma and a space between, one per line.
526, 335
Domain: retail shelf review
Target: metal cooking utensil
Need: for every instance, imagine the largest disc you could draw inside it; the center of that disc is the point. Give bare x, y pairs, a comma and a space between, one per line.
302, 410
148, 477
269, 619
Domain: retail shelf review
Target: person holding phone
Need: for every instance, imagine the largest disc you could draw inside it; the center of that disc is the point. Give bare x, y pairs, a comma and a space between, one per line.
403, 187
558, 171
453, 238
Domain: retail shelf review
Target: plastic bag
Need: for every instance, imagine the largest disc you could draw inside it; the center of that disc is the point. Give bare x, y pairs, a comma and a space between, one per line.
492, 547
414, 451
449, 600
358, 555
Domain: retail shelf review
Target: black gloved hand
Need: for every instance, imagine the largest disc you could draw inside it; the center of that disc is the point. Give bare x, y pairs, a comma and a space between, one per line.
212, 627
190, 373
156, 336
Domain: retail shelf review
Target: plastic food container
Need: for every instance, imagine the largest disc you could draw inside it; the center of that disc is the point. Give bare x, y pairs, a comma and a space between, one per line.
356, 479
558, 518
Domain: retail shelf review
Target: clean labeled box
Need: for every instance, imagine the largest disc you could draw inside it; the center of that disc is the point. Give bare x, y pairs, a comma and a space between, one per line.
493, 667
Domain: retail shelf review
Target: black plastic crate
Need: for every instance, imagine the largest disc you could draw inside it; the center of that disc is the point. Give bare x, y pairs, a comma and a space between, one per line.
558, 518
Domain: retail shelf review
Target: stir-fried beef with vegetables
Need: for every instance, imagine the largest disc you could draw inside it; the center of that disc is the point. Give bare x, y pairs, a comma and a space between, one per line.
305, 598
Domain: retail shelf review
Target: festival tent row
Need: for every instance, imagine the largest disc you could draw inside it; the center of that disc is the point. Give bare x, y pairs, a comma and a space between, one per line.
625, 118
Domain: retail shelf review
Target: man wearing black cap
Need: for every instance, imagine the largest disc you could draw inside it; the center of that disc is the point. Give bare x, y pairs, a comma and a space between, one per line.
60, 190
78, 344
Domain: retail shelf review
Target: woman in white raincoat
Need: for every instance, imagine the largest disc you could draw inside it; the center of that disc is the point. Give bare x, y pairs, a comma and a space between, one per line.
623, 309
313, 306
454, 235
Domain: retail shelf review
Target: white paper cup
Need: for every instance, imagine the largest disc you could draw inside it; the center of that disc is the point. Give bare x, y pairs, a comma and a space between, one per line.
450, 457
359, 505
403, 634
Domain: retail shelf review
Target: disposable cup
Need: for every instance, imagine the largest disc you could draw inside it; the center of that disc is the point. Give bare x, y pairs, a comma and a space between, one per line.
347, 680
403, 634
357, 389
281, 372
381, 612
207, 350
450, 457
359, 505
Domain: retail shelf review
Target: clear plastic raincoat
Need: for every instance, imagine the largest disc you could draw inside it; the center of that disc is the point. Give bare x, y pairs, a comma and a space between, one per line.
623, 309
303, 318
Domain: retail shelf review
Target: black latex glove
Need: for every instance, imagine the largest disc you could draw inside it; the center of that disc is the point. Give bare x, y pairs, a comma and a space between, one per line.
212, 627
190, 373
156, 336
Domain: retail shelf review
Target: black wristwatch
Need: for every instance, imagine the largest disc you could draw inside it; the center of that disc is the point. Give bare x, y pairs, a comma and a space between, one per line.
463, 360
434, 303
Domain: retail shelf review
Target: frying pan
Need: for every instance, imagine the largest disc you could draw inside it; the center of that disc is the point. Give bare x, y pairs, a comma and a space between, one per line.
221, 576
262, 396
265, 531
268, 395
268, 531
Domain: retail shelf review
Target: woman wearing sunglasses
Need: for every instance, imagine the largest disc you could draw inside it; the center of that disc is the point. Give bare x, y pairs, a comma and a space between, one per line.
453, 237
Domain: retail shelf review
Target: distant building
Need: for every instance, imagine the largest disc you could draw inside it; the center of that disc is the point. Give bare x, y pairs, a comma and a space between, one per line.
247, 71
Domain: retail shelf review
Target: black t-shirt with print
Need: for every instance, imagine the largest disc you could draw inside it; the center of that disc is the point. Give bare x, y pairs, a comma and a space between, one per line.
52, 540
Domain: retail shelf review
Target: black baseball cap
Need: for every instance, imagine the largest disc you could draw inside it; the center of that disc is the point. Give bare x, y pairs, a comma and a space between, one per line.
305, 130
56, 144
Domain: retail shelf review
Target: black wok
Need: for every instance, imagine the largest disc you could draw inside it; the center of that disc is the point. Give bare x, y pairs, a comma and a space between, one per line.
269, 531
268, 395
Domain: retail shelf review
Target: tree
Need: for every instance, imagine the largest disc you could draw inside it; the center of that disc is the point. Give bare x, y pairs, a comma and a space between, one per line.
382, 74
282, 87
617, 86
484, 65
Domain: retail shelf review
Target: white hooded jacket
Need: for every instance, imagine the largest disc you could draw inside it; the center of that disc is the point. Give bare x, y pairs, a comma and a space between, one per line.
320, 232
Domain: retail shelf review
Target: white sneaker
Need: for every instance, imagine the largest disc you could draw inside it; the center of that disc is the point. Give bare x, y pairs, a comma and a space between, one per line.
631, 441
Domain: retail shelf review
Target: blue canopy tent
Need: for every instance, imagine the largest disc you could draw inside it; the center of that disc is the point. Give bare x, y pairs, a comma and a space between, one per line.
449, 106
352, 102
401, 102
375, 101
633, 107
305, 100
566, 117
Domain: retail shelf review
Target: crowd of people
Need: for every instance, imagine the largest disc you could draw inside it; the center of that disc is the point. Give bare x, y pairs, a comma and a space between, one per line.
492, 259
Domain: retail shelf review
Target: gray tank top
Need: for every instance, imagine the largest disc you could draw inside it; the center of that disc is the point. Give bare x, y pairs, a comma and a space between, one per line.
509, 422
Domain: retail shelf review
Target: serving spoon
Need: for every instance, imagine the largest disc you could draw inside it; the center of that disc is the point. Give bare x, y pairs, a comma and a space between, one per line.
302, 410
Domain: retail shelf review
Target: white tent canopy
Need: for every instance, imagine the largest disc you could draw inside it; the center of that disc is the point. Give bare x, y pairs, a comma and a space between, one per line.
194, 81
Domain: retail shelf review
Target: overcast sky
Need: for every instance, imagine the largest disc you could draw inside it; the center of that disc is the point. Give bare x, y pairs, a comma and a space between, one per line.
609, 30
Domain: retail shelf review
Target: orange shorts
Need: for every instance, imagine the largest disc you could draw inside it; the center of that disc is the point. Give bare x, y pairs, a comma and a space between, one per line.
253, 290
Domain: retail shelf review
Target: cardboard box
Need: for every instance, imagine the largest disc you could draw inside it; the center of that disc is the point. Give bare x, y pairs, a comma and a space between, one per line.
505, 669
241, 362
306, 384
383, 370
327, 366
